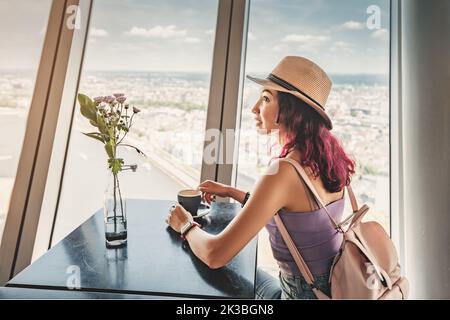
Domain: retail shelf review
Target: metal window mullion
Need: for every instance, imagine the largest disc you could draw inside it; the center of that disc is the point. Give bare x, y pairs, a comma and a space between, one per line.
396, 140
226, 86
217, 84
233, 92
53, 186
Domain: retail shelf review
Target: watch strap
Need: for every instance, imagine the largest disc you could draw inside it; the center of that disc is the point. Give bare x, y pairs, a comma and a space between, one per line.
247, 195
188, 228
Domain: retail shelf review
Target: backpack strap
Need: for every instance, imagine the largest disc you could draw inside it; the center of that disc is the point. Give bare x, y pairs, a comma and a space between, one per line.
352, 197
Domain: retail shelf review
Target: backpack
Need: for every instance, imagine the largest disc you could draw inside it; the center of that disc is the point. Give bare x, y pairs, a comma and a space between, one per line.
366, 266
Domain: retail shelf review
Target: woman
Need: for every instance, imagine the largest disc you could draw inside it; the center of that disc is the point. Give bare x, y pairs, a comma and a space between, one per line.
292, 101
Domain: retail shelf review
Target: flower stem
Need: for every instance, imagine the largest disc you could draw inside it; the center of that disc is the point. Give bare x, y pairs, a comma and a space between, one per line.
115, 203
120, 197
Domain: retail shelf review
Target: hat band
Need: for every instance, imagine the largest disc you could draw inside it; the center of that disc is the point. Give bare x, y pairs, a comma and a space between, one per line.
290, 87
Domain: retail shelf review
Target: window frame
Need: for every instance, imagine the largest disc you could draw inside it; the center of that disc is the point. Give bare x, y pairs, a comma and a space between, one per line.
396, 187
223, 95
28, 229
60, 148
396, 170
24, 211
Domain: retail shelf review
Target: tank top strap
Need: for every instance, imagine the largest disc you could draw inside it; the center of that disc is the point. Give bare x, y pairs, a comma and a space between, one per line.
313, 205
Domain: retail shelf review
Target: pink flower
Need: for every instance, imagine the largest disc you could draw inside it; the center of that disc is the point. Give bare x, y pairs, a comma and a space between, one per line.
136, 110
121, 99
109, 99
98, 99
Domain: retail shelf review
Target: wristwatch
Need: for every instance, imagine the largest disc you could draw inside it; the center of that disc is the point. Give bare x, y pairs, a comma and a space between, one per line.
186, 227
247, 195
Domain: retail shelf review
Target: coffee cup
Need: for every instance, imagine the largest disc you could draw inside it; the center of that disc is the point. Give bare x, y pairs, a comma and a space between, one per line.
190, 200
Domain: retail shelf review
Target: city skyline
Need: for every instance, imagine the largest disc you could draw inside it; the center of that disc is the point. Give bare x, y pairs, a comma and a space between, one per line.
175, 105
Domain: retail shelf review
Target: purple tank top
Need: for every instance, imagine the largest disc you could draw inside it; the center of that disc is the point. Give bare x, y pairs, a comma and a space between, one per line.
314, 236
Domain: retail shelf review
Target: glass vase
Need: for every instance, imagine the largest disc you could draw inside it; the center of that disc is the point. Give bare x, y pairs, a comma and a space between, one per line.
115, 213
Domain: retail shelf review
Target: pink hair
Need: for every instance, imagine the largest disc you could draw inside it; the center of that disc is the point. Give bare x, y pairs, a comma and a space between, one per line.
320, 150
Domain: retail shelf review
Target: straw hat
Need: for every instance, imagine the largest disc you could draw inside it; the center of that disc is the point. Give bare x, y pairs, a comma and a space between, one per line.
302, 78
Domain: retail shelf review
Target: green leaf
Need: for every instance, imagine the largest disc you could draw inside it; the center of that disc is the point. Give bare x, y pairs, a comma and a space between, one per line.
87, 107
95, 135
115, 165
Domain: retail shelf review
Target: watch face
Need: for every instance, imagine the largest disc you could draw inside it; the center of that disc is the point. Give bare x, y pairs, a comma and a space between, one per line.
185, 227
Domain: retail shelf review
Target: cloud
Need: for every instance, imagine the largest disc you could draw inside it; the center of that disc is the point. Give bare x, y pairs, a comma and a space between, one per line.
251, 36
126, 47
342, 46
210, 32
277, 48
157, 32
306, 39
353, 25
191, 40
98, 33
381, 34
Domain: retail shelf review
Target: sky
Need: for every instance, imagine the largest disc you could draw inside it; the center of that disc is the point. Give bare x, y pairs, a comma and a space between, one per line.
178, 35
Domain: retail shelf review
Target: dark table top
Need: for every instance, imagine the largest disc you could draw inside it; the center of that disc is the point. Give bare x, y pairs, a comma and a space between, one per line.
155, 261
11, 293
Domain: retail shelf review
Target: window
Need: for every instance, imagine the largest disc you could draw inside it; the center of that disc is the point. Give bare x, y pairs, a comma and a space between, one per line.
350, 41
23, 25
160, 55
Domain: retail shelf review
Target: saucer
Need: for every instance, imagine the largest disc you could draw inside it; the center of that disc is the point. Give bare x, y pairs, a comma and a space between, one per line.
203, 210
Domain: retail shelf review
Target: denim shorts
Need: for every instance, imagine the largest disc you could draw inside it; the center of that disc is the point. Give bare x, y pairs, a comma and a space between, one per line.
288, 286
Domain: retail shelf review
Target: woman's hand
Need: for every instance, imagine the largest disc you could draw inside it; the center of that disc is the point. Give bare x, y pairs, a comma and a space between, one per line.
211, 189
178, 217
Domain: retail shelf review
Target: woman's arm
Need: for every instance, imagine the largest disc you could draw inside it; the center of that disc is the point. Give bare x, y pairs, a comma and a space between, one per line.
267, 198
236, 194
210, 189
